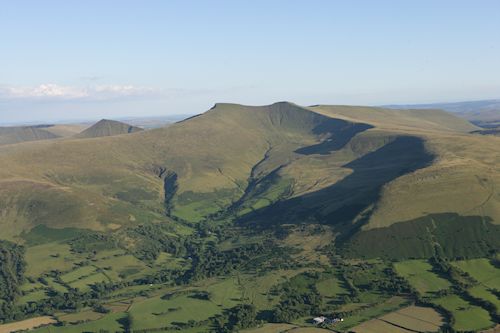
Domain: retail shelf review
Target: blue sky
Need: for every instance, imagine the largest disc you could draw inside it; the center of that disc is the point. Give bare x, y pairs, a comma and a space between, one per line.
92, 59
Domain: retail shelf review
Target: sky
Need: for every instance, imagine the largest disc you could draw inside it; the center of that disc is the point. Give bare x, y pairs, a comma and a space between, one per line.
68, 60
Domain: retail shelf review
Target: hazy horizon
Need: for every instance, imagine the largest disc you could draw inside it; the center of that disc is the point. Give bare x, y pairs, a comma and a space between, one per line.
63, 62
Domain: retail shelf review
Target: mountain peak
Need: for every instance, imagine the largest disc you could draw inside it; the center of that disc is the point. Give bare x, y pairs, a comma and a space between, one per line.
108, 127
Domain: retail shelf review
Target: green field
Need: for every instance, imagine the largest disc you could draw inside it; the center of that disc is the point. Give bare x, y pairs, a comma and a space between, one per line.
33, 296
467, 317
46, 257
156, 312
331, 287
482, 271
484, 293
78, 273
419, 274
256, 289
111, 322
372, 311
86, 282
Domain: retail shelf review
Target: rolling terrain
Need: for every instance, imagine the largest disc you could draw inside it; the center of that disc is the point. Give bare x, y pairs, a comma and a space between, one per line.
485, 113
11, 135
348, 167
238, 210
18, 134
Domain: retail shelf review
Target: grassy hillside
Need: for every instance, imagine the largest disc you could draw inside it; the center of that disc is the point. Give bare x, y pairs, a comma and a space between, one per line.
326, 164
107, 127
11, 135
66, 130
482, 112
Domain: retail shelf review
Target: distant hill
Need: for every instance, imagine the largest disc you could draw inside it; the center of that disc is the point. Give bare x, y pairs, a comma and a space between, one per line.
12, 135
107, 127
66, 130
481, 112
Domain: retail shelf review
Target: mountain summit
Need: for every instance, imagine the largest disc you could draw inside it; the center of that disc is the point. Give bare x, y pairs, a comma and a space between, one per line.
106, 127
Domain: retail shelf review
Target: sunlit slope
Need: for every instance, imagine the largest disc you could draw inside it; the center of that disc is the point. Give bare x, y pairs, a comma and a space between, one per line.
397, 120
204, 164
350, 167
465, 178
107, 127
66, 130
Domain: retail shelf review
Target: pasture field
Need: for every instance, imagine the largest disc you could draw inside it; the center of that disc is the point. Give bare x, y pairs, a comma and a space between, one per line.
27, 324
270, 328
167, 260
119, 265
149, 313
31, 286
84, 283
419, 274
378, 326
225, 293
255, 289
73, 318
33, 296
50, 256
467, 317
112, 322
331, 287
308, 330
484, 293
415, 318
77, 274
55, 285
482, 271
372, 311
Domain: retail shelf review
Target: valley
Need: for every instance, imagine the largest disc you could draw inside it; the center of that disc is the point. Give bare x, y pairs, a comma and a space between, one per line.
255, 219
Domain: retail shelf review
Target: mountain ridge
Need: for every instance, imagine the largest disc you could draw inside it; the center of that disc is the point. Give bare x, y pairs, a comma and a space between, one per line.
244, 161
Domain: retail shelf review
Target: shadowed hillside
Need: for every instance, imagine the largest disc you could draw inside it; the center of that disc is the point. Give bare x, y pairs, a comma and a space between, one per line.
344, 201
107, 127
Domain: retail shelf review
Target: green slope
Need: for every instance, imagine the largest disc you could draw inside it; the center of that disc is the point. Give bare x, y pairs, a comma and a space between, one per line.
270, 165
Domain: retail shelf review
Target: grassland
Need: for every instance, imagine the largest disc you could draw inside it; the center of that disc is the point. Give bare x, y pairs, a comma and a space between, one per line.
271, 328
467, 317
482, 292
27, 324
151, 312
332, 287
46, 257
419, 274
82, 316
416, 318
482, 271
110, 322
373, 311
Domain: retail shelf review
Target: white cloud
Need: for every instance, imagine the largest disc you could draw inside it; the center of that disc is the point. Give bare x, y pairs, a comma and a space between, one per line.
55, 92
